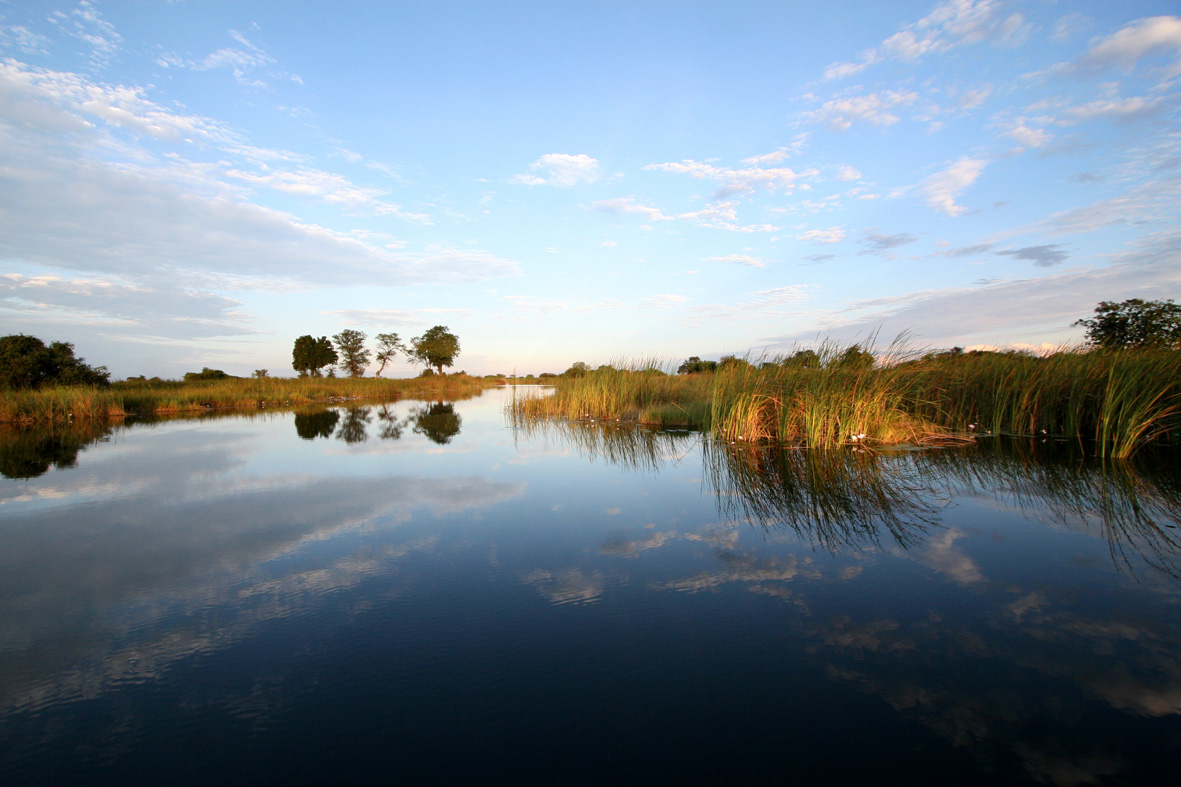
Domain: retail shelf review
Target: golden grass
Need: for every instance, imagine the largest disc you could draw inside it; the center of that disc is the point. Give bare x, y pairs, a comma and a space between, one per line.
64, 404
1117, 401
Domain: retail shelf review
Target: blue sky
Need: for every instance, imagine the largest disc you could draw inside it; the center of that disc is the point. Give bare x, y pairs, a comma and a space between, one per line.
195, 184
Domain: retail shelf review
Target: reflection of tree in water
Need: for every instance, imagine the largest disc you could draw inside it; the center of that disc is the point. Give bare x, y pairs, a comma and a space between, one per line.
354, 427
27, 452
439, 422
312, 424
391, 426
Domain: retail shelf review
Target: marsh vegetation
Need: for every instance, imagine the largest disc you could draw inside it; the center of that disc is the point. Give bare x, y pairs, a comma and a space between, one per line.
1112, 401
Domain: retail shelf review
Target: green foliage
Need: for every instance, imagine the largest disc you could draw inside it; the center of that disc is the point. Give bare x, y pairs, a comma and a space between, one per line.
26, 362
577, 369
388, 346
261, 374
435, 348
1134, 323
350, 344
205, 374
1111, 403
310, 355
694, 365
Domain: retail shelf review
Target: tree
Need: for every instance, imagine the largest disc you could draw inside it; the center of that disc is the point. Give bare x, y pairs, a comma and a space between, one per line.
26, 362
853, 358
694, 365
205, 374
1134, 323
806, 359
437, 347
353, 355
311, 355
388, 346
577, 369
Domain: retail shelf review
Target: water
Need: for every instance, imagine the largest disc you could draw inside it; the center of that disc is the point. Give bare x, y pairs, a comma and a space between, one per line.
418, 593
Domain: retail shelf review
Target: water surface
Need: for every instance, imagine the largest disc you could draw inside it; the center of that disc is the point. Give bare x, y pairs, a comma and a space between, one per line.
417, 592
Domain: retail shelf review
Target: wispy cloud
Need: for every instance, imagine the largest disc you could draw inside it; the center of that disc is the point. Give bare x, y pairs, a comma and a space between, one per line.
742, 181
723, 216
874, 108
741, 259
830, 235
951, 24
942, 188
560, 169
626, 205
86, 24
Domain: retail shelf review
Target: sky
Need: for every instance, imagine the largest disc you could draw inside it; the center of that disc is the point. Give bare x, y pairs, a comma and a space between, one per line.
191, 184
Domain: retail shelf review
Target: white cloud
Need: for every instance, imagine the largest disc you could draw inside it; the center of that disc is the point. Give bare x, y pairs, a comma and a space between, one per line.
874, 108
942, 188
1008, 312
1125, 48
951, 24
830, 235
1028, 137
86, 24
737, 181
741, 259
329, 187
560, 169
848, 173
723, 216
626, 205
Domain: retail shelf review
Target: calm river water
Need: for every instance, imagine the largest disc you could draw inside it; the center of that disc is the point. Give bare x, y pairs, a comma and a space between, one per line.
418, 593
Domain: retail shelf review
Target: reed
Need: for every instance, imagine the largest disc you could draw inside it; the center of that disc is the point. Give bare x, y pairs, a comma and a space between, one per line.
132, 398
1115, 402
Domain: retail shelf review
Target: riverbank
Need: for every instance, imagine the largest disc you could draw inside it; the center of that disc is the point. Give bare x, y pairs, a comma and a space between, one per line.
1117, 401
147, 398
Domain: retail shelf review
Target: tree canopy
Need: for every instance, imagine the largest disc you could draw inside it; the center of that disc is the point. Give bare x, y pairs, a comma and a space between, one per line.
310, 355
435, 348
1134, 323
26, 362
694, 365
350, 344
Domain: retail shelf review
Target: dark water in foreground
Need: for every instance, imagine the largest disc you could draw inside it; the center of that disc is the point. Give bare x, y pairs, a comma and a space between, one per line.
418, 594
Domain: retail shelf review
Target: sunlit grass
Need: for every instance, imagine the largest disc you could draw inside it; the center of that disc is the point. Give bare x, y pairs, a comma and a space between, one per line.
1116, 401
55, 405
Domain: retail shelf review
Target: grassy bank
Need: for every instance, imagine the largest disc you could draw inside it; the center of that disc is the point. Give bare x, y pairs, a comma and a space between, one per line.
64, 404
1114, 401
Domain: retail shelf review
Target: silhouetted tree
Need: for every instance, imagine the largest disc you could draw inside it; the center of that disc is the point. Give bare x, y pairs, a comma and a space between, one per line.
350, 344
26, 362
1134, 323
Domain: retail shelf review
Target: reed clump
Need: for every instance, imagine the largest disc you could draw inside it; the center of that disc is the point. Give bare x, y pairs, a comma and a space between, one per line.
841, 395
153, 398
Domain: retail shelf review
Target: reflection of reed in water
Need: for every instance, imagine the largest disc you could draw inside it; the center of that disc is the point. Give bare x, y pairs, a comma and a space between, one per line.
1136, 503
832, 499
632, 447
